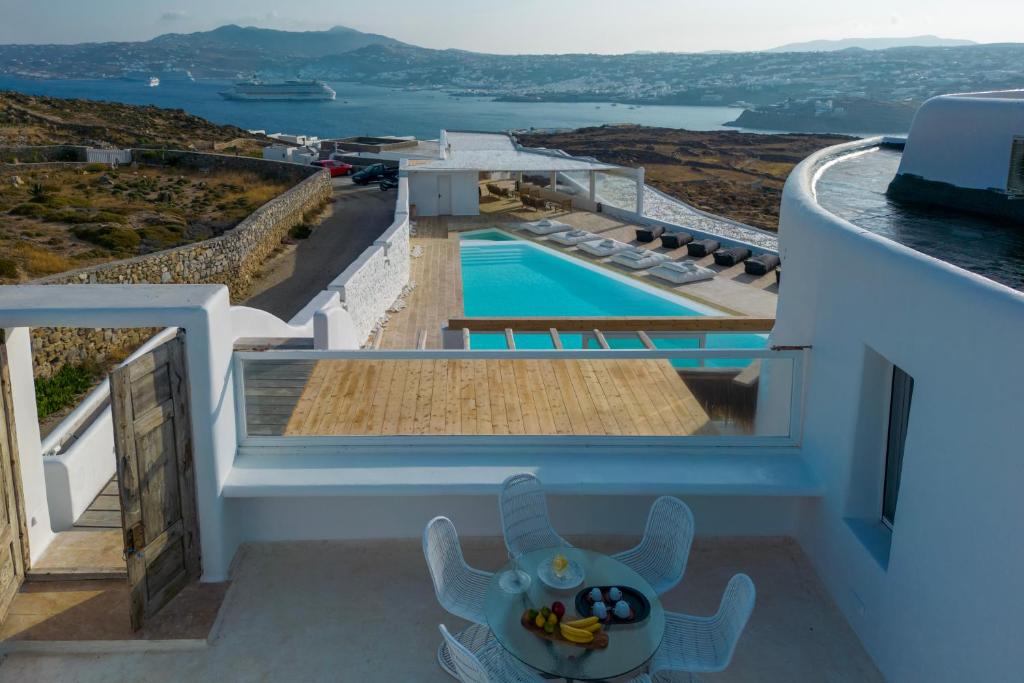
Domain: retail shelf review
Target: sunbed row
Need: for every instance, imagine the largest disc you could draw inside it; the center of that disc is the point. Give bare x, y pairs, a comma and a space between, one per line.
661, 265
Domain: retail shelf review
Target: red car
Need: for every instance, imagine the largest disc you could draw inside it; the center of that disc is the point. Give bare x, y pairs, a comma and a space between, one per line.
337, 168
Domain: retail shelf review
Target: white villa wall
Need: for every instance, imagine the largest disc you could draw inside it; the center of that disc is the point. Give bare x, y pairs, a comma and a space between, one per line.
948, 605
466, 193
375, 280
423, 193
356, 517
965, 140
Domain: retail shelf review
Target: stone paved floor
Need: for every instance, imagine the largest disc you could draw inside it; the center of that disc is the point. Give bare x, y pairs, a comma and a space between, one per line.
365, 611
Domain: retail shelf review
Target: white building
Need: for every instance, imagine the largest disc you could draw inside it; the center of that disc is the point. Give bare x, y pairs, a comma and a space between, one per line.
898, 471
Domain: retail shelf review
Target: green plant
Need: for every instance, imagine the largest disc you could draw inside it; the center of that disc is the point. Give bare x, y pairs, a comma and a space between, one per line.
112, 237
300, 231
61, 389
8, 268
38, 192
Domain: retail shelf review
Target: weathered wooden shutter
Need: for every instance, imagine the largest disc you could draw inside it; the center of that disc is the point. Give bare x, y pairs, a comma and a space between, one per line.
13, 555
153, 443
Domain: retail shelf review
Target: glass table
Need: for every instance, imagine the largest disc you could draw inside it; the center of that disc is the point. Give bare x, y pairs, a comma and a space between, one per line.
629, 645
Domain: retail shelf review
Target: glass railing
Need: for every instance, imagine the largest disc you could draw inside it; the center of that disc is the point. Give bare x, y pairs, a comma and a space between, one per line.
683, 389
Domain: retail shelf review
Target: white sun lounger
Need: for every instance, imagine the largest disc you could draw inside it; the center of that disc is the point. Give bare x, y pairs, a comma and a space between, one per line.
573, 237
546, 227
682, 272
603, 247
638, 259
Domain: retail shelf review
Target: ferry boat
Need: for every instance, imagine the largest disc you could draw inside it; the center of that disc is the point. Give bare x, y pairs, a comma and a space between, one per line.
279, 91
153, 81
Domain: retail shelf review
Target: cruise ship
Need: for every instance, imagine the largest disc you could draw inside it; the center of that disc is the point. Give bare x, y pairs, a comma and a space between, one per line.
279, 91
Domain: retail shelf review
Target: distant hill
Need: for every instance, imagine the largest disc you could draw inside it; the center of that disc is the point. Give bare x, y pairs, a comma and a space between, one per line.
871, 44
292, 44
32, 120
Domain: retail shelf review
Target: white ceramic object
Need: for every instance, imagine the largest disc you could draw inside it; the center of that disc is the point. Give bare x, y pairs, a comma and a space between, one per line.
600, 611
622, 609
570, 578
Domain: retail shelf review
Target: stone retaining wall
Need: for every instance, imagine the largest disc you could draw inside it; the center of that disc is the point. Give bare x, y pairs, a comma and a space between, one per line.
233, 259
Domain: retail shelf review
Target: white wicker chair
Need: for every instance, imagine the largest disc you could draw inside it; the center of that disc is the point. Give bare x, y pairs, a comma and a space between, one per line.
459, 588
524, 516
483, 660
704, 644
662, 553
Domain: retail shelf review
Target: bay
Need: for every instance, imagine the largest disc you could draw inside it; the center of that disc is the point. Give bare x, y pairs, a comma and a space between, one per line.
371, 110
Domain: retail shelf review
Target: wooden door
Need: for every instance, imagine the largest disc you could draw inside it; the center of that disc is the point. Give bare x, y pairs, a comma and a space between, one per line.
153, 444
444, 195
13, 543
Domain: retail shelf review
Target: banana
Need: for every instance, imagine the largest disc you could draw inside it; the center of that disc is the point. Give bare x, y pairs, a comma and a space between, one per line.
576, 635
593, 628
582, 623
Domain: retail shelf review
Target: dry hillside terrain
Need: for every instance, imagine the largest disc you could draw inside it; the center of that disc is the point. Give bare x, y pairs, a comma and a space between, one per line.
33, 120
57, 220
739, 175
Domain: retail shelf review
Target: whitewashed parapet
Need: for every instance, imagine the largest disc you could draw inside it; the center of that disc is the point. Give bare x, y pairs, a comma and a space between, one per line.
375, 280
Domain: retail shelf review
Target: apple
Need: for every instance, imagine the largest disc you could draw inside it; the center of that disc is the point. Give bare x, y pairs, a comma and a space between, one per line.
558, 608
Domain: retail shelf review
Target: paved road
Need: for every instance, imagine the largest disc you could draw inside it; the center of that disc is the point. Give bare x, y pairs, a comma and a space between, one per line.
359, 216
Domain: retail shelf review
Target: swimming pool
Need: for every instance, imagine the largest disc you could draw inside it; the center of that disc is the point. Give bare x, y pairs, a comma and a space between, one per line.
503, 276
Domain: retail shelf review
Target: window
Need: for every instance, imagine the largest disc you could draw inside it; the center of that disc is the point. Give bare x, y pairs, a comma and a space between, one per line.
899, 417
1015, 183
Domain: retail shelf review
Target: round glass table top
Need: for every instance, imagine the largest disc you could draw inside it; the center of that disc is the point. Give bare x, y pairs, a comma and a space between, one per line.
629, 645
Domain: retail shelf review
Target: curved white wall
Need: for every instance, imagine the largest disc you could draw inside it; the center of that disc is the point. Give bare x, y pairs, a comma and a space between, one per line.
948, 605
965, 140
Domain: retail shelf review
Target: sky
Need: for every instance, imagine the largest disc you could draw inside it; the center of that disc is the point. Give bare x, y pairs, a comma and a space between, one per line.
528, 26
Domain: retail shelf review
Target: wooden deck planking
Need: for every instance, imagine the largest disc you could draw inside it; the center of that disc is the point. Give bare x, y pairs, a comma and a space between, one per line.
483, 397
105, 510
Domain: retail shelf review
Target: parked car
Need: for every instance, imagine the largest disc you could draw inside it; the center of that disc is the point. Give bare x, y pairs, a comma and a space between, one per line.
372, 173
388, 183
336, 168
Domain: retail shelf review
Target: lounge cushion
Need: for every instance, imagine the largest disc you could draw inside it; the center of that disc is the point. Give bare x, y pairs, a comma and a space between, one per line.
730, 257
681, 272
638, 259
762, 264
649, 234
674, 240
573, 237
702, 247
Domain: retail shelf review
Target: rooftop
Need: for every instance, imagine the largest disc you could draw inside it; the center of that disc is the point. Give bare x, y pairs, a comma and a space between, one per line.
498, 152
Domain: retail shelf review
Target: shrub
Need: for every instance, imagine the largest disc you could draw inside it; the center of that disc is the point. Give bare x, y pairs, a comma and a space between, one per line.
300, 231
29, 210
8, 268
112, 237
95, 168
60, 390
40, 261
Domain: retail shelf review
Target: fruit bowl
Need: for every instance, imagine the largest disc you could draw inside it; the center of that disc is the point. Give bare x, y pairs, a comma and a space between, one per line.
570, 577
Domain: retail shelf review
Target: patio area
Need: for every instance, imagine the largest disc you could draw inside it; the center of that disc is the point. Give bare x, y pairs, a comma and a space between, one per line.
366, 611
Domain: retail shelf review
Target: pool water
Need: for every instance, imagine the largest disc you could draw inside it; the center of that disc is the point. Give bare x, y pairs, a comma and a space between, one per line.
503, 276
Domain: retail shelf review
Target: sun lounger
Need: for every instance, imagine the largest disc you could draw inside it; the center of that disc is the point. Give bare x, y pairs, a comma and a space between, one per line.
603, 247
573, 237
649, 234
762, 264
546, 227
638, 259
674, 240
730, 257
682, 272
702, 247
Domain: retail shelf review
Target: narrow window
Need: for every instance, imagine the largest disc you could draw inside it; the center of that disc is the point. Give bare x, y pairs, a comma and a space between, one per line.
899, 416
1015, 183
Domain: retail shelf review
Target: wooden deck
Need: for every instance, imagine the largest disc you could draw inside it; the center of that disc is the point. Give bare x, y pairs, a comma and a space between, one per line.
484, 397
104, 512
437, 295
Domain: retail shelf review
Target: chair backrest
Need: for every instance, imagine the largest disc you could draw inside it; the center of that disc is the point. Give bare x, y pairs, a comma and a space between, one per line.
733, 614
670, 527
467, 667
447, 567
524, 516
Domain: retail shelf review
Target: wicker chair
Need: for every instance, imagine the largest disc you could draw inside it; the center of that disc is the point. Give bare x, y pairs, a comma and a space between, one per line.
481, 659
662, 553
704, 644
459, 588
524, 516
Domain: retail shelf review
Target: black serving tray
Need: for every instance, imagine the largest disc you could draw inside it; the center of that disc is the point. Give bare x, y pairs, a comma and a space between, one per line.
637, 601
